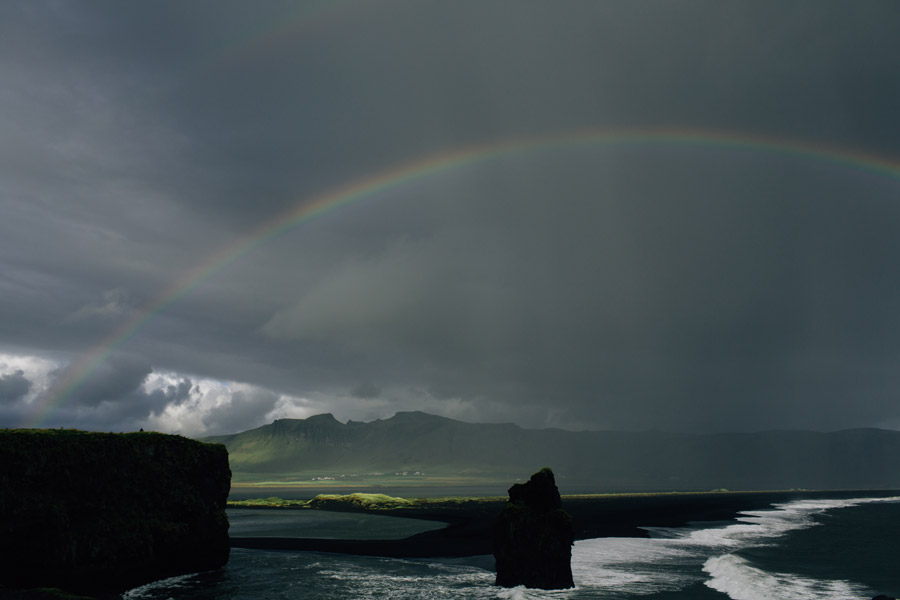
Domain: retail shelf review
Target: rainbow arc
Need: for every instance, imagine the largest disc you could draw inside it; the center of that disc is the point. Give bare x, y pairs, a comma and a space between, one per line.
308, 209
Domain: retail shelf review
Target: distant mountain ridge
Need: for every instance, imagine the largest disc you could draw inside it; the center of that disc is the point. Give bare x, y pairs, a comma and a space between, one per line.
600, 460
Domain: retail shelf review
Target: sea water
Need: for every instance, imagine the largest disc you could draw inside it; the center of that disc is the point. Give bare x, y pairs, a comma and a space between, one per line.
806, 549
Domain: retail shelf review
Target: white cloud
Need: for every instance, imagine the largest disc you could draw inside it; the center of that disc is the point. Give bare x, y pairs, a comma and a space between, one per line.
208, 406
180, 403
39, 371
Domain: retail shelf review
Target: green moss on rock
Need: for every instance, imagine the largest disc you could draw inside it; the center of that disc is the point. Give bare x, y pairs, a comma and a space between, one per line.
100, 511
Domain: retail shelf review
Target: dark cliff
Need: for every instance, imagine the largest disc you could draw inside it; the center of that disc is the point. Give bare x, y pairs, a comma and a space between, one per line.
104, 512
533, 536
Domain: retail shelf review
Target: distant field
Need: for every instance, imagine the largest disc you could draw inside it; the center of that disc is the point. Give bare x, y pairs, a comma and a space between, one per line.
373, 480
366, 502
363, 481
303, 491
431, 482
382, 502
245, 486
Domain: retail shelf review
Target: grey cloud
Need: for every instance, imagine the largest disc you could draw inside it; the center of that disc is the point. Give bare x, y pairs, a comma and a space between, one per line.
669, 285
112, 398
13, 386
171, 394
117, 377
113, 306
246, 410
401, 82
366, 391
621, 306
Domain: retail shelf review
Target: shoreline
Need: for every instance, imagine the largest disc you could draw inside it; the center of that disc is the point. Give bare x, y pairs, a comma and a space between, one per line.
470, 524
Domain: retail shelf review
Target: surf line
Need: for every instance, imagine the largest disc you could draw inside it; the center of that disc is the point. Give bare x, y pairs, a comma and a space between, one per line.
307, 210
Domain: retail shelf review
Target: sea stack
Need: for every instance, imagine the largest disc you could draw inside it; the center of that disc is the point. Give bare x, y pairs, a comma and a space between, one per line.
102, 512
533, 536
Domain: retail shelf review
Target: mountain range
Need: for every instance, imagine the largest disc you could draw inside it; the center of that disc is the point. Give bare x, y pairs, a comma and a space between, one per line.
431, 450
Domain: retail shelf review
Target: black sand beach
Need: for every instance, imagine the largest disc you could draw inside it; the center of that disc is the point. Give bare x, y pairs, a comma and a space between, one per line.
470, 523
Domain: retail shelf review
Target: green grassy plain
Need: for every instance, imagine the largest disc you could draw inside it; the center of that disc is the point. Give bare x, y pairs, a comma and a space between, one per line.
374, 502
365, 502
406, 479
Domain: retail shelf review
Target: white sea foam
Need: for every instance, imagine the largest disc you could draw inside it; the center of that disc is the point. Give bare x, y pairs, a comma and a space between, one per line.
762, 527
734, 576
396, 578
522, 593
615, 566
631, 565
664, 561
154, 587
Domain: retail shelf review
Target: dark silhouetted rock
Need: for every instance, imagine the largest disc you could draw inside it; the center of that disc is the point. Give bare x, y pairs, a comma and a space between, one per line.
533, 536
94, 512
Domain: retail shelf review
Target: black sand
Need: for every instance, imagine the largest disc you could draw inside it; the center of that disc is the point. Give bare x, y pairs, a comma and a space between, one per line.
469, 530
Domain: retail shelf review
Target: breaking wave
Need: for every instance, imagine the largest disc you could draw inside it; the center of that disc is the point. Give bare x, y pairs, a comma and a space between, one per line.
734, 576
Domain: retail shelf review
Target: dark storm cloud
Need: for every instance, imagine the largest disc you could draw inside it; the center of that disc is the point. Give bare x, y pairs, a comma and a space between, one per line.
13, 386
669, 286
112, 379
286, 117
244, 411
114, 397
631, 302
366, 391
176, 393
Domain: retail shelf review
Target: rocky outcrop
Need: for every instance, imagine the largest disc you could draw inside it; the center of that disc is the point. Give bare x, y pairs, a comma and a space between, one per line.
92, 512
533, 536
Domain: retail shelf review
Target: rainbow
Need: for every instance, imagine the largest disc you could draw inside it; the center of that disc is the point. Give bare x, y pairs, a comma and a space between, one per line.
307, 210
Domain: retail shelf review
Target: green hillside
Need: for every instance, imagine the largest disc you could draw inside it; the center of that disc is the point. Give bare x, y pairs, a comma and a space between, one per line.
415, 448
411, 443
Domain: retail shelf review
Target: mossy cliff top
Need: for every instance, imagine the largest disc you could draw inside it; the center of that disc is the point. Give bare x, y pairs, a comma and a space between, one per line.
102, 511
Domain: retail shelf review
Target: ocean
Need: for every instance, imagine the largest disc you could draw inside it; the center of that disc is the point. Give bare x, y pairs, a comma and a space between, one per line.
805, 549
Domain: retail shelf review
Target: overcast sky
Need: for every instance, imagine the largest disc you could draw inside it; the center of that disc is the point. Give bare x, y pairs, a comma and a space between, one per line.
642, 284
